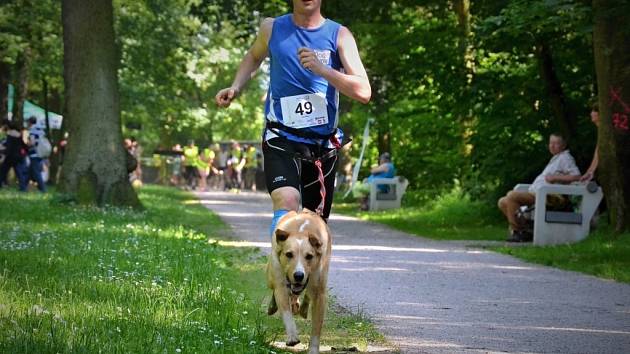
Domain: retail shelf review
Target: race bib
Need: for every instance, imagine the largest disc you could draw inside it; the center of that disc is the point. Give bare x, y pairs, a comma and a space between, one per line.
303, 111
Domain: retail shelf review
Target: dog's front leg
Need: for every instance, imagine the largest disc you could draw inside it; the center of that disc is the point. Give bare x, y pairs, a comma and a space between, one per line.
317, 319
284, 307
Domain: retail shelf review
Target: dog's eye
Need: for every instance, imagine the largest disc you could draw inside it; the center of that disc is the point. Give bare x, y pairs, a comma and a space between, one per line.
309, 257
289, 254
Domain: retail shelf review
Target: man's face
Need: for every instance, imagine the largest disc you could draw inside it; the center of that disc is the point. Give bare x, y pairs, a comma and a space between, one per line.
306, 6
556, 145
595, 117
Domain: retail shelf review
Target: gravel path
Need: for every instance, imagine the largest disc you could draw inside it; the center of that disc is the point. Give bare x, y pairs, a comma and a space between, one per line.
447, 297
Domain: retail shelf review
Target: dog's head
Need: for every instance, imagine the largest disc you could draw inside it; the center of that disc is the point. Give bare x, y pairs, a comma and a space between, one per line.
299, 254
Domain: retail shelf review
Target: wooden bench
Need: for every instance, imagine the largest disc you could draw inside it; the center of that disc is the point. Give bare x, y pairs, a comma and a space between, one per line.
396, 187
558, 227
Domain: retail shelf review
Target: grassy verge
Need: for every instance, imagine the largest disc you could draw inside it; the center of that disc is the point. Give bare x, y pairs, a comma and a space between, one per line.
452, 217
449, 217
602, 254
81, 279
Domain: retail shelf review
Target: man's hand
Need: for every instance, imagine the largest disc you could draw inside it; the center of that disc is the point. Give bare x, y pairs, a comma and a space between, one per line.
587, 177
309, 61
225, 97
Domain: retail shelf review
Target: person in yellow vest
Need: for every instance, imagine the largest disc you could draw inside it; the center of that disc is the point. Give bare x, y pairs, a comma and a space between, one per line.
236, 162
204, 164
191, 157
249, 170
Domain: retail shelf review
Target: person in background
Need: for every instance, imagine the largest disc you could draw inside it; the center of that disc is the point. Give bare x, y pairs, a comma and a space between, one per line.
249, 170
235, 166
384, 169
560, 169
136, 151
191, 161
206, 158
590, 172
176, 165
15, 151
36, 165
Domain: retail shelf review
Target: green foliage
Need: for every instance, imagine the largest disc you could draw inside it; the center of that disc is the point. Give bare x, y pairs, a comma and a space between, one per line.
452, 107
33, 28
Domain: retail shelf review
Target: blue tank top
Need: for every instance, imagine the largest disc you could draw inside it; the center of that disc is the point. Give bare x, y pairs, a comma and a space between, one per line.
288, 77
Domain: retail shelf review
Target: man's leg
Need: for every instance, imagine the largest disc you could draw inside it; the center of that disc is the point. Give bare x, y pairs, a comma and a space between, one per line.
36, 173
510, 204
282, 173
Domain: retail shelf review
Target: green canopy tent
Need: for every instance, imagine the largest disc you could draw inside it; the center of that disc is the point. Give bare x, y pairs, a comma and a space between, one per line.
33, 110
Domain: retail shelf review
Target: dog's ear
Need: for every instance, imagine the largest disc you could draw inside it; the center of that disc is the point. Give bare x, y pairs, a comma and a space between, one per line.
314, 241
281, 235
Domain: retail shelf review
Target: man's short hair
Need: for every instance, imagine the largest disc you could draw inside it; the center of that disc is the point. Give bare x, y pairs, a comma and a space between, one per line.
595, 106
32, 120
561, 136
386, 156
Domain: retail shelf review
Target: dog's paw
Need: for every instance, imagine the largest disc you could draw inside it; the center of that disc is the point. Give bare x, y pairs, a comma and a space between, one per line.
291, 342
273, 307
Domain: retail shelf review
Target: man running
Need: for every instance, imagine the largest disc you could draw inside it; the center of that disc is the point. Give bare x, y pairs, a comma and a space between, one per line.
312, 59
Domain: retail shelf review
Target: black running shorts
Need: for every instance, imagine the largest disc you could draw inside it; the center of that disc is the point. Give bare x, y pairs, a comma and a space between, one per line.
283, 169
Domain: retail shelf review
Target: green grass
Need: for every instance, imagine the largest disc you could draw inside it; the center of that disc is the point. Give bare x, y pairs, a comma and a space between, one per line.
602, 254
448, 217
84, 279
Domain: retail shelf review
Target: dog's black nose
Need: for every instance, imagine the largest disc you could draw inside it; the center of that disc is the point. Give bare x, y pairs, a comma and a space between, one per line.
298, 276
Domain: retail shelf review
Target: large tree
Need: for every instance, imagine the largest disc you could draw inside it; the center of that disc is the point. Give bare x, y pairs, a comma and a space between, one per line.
94, 168
612, 56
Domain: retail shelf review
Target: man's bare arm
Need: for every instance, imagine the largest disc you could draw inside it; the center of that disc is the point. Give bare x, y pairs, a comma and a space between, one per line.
354, 81
250, 63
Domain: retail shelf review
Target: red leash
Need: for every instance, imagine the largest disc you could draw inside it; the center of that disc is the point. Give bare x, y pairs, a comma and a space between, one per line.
322, 188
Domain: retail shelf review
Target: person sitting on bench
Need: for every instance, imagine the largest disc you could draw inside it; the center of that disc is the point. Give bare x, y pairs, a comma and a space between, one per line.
385, 169
560, 169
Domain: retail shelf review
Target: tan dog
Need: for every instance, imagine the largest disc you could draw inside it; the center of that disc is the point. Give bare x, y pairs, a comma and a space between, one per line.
299, 261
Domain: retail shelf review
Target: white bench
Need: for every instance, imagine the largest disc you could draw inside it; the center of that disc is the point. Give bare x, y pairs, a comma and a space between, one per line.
391, 199
557, 227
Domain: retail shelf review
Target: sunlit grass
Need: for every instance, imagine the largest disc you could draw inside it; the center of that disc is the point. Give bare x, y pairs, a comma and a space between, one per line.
449, 217
602, 253
84, 279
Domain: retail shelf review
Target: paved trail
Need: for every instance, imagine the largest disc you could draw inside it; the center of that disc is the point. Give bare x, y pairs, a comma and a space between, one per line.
444, 297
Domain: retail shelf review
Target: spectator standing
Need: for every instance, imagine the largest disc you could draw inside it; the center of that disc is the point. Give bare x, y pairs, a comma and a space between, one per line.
590, 172
236, 162
191, 162
36, 140
205, 161
136, 151
249, 170
15, 151
176, 165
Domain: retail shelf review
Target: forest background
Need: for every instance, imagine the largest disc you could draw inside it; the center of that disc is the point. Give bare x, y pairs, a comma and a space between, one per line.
465, 93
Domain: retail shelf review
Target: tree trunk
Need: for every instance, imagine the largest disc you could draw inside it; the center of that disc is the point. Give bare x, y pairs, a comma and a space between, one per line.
5, 75
557, 99
612, 55
94, 169
56, 136
21, 88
